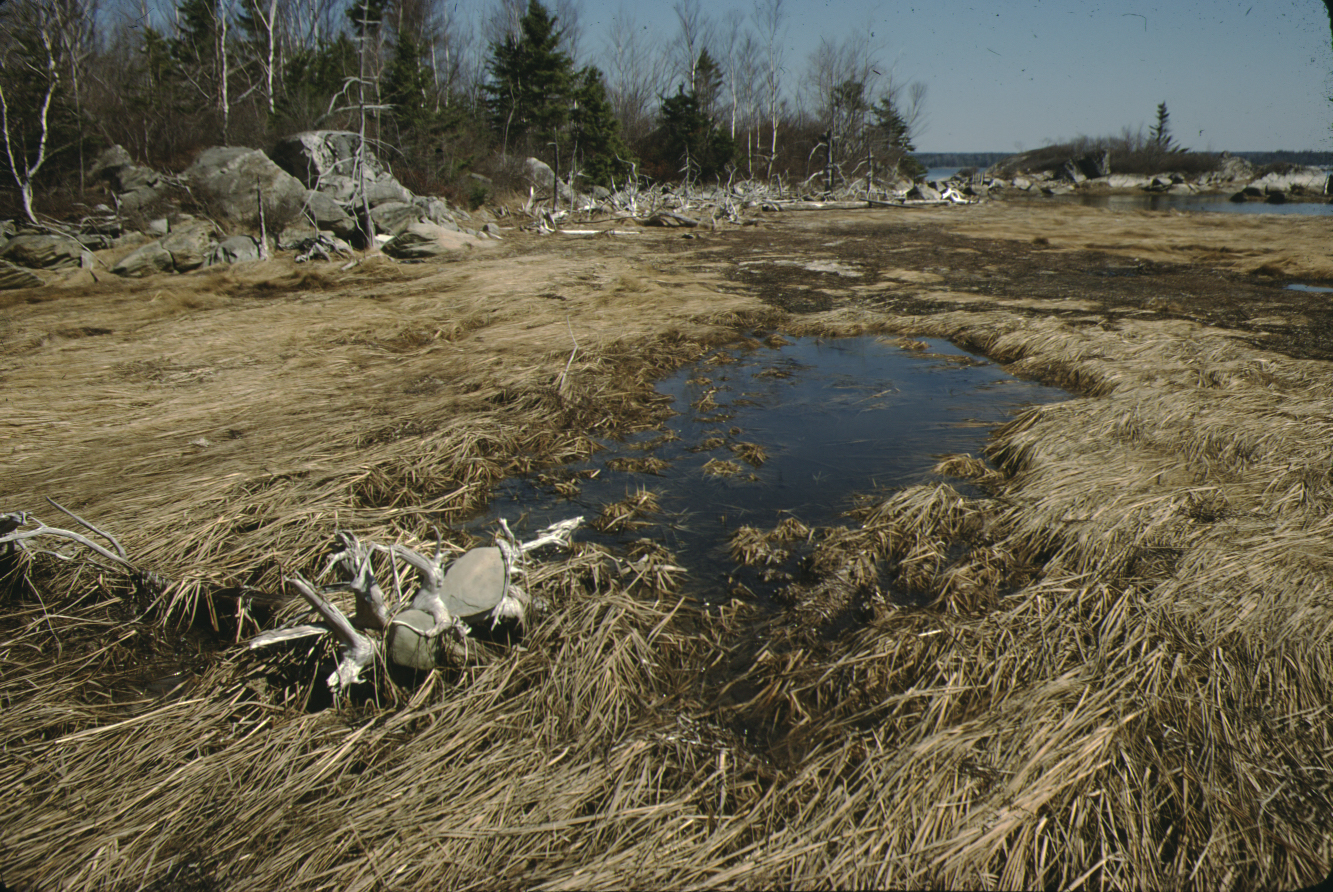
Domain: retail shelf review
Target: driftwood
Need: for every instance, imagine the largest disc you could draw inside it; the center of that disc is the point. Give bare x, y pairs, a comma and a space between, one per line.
19, 530
477, 586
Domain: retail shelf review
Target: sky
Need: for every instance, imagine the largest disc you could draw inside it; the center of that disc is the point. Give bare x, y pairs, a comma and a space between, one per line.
1236, 75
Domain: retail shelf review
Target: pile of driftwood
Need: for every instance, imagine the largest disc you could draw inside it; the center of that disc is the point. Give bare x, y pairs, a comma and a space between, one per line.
451, 596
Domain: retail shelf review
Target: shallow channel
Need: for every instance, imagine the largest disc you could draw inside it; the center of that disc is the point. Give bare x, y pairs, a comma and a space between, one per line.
795, 427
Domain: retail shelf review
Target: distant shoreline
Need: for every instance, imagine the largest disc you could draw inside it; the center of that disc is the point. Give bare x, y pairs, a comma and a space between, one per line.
1309, 158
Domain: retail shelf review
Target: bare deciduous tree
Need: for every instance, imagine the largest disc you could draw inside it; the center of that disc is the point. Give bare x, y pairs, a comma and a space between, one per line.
31, 52
770, 19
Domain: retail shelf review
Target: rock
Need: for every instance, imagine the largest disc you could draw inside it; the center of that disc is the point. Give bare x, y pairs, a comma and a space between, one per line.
326, 214
1240, 197
923, 192
1094, 165
1057, 189
145, 261
395, 216
326, 161
1232, 169
1022, 183
46, 252
408, 646
1126, 181
1276, 197
133, 185
384, 191
541, 177
1069, 172
237, 249
227, 177
159, 227
12, 276
422, 241
491, 230
190, 245
1313, 179
315, 155
475, 583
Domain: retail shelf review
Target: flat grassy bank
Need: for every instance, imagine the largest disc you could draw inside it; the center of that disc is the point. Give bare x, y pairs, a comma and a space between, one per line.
1098, 655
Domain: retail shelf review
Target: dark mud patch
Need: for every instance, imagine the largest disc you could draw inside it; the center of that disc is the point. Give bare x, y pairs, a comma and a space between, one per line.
1021, 276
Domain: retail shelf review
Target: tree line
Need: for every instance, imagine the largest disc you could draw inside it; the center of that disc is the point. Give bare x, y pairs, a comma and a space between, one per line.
442, 96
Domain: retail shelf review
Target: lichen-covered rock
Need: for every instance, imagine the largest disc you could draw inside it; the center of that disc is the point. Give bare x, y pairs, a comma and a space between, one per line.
229, 179
12, 276
46, 252
237, 249
133, 184
144, 262
190, 245
328, 215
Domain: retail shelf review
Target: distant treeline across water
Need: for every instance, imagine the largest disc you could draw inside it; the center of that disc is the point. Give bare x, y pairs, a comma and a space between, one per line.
982, 160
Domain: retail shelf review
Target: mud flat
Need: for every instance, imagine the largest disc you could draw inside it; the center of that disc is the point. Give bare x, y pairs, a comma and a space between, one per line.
1115, 669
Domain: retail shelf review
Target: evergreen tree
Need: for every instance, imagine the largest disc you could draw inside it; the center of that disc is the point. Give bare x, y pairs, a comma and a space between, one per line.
897, 139
315, 84
595, 132
533, 81
409, 87
691, 140
1161, 131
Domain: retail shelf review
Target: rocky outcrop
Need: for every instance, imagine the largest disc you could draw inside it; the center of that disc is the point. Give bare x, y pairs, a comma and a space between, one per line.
12, 276
542, 179
190, 245
133, 185
46, 252
230, 180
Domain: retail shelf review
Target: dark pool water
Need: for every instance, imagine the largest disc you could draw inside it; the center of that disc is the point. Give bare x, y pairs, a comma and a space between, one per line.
834, 418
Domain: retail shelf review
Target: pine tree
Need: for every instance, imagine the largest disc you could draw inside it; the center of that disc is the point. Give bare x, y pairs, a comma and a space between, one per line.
897, 138
531, 94
691, 140
1161, 131
595, 132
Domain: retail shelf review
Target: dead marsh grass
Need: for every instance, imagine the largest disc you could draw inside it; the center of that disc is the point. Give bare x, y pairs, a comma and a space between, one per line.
1114, 668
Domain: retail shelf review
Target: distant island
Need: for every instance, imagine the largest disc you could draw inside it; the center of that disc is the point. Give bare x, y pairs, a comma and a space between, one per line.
986, 159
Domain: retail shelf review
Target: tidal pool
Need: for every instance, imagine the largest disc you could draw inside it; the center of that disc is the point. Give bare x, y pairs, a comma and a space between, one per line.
793, 429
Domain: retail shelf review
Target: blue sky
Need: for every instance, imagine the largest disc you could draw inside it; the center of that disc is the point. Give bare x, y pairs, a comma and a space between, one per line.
1242, 75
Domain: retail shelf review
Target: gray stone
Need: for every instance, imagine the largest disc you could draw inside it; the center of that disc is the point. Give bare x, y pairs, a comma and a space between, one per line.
475, 583
395, 216
189, 245
923, 192
145, 261
227, 178
408, 645
133, 185
315, 155
46, 252
1126, 181
1094, 165
159, 227
541, 177
1069, 171
423, 241
237, 249
386, 190
12, 276
1276, 197
328, 215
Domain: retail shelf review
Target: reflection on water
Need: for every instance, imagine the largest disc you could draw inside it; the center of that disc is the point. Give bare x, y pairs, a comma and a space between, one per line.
1317, 289
1220, 204
801, 427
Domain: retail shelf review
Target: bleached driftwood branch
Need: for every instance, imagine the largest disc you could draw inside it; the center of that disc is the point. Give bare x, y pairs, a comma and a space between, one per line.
14, 535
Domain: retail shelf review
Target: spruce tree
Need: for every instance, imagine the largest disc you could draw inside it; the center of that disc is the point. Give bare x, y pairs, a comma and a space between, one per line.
533, 80
595, 133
